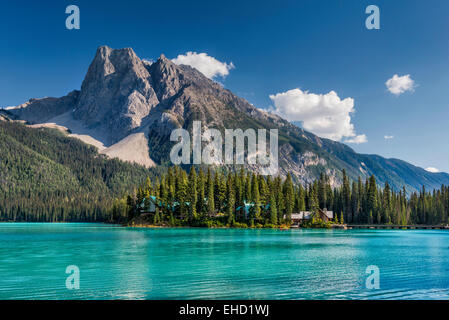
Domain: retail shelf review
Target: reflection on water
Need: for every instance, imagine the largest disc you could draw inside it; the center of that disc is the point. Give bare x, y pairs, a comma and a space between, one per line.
127, 263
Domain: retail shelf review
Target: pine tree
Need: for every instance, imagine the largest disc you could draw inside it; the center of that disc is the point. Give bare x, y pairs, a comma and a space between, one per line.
256, 197
131, 203
289, 197
164, 196
193, 197
210, 195
248, 191
264, 191
157, 218
346, 196
322, 191
372, 197
273, 210
230, 201
336, 219
314, 206
222, 188
181, 192
301, 199
148, 186
355, 204
386, 203
280, 199
201, 207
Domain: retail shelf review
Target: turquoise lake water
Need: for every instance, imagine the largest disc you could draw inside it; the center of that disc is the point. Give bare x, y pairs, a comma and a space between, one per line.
131, 263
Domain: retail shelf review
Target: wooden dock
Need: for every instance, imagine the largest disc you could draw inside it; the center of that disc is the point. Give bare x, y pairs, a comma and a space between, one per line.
393, 226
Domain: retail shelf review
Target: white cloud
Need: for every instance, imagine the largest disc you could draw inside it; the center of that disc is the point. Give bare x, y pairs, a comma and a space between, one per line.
388, 137
398, 85
432, 169
361, 138
326, 115
206, 64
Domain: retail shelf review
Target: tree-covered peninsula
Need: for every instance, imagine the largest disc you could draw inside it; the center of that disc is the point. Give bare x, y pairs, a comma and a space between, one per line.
245, 199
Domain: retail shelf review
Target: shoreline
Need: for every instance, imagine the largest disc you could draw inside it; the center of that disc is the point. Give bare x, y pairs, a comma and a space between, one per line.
284, 228
333, 227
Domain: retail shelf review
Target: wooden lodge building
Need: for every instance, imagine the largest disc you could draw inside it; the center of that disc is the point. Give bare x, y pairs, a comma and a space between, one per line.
303, 216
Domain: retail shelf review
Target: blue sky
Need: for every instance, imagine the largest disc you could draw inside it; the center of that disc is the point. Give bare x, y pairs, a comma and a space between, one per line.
276, 46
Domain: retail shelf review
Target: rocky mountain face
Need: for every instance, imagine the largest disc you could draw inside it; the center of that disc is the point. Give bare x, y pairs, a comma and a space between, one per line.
129, 107
116, 93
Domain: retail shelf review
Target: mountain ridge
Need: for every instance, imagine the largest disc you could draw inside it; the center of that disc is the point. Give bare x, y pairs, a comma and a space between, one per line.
123, 96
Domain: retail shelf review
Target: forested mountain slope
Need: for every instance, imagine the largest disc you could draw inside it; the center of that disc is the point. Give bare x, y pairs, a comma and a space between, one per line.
47, 176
